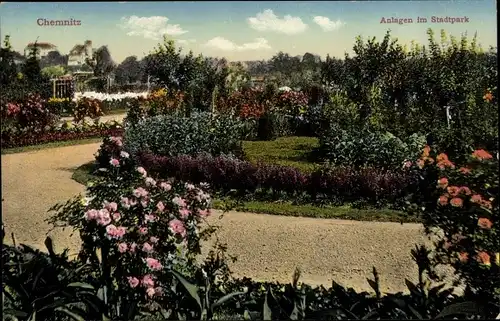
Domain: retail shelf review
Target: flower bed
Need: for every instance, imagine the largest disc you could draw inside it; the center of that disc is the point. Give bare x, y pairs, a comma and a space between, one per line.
58, 136
338, 185
109, 97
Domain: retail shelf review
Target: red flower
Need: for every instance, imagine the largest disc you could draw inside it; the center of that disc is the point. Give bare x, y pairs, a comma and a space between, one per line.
476, 198
463, 257
483, 258
456, 202
481, 154
443, 182
484, 223
464, 170
443, 200
465, 190
488, 96
453, 190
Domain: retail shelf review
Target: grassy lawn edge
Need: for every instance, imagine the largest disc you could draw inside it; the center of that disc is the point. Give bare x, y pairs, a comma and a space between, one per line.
64, 143
82, 175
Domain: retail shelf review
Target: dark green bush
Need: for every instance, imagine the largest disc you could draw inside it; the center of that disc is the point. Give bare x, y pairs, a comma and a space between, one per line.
172, 136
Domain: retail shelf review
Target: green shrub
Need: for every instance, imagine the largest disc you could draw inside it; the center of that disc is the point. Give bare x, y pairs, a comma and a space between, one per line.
172, 136
365, 148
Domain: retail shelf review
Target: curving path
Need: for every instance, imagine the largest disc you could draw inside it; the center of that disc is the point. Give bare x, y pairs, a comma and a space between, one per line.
268, 247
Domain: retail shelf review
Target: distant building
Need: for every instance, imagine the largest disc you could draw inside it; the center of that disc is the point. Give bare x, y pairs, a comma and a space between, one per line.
80, 53
43, 49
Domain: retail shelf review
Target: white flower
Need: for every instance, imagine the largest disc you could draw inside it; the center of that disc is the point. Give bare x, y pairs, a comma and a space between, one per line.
108, 97
124, 154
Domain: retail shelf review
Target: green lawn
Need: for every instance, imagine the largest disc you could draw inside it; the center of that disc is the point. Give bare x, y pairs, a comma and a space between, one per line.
287, 151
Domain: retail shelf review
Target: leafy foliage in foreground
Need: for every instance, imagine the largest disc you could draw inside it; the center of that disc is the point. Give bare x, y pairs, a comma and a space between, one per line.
47, 286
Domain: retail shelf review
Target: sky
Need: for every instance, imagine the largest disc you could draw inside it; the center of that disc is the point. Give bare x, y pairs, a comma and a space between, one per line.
241, 30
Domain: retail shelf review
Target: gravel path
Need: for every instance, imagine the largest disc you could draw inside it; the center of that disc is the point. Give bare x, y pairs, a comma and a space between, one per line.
268, 247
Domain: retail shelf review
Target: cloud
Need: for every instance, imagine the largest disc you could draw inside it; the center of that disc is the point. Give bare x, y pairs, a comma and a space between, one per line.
186, 41
268, 21
223, 44
153, 27
326, 24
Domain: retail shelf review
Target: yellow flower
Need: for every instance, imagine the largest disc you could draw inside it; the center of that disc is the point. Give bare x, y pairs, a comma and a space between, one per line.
497, 259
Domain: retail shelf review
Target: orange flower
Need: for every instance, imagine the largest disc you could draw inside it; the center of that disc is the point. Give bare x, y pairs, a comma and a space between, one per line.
488, 96
445, 163
443, 200
476, 198
481, 154
456, 202
464, 170
483, 258
484, 223
463, 257
430, 160
443, 182
465, 190
426, 151
453, 190
442, 157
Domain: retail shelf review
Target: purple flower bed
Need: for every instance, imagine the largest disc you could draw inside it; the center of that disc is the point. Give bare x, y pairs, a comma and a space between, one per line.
338, 185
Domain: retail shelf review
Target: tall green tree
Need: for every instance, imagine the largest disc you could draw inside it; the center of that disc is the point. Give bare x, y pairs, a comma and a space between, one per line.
8, 69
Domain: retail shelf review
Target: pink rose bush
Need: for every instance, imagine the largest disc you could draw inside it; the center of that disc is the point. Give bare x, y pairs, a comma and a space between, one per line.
144, 227
460, 201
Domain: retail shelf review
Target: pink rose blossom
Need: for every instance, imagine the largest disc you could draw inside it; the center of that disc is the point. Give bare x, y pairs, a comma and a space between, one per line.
117, 141
140, 192
133, 281
184, 213
150, 292
91, 215
179, 201
204, 213
122, 247
148, 248
124, 154
153, 264
158, 291
150, 182
143, 230
144, 203
116, 216
114, 162
103, 217
166, 186
133, 202
133, 246
142, 171
148, 281
153, 239
160, 206
149, 218
177, 227
115, 232
121, 231
112, 207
